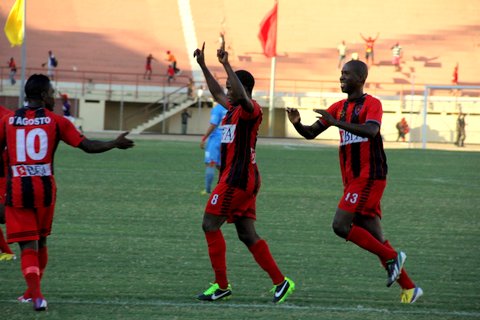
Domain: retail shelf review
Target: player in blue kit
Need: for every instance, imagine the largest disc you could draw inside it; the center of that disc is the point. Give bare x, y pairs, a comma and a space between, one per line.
213, 141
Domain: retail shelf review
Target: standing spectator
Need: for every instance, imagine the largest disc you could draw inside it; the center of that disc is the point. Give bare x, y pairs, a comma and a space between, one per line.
234, 198
342, 53
148, 67
369, 48
170, 74
213, 140
185, 115
51, 63
363, 167
461, 130
13, 70
455, 75
6, 254
402, 128
397, 55
191, 86
173, 61
66, 108
31, 188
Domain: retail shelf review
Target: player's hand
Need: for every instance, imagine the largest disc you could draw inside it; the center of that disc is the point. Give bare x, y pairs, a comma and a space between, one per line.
293, 115
202, 144
200, 54
324, 115
222, 55
123, 143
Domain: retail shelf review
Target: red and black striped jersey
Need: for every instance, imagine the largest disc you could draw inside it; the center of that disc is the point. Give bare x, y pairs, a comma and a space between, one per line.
360, 156
239, 138
31, 137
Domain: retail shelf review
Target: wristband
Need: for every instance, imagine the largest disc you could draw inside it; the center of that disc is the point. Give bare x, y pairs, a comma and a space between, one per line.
204, 138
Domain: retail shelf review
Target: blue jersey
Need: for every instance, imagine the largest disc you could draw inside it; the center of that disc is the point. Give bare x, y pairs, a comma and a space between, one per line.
212, 149
216, 116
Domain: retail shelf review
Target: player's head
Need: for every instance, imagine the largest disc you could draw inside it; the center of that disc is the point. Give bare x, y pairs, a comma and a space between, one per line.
39, 91
354, 75
248, 82
246, 79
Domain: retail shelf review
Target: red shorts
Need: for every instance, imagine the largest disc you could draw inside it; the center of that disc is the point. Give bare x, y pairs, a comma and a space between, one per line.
27, 224
231, 202
148, 67
363, 196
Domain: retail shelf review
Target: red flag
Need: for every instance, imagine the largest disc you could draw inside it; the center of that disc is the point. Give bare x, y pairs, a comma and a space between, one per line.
268, 33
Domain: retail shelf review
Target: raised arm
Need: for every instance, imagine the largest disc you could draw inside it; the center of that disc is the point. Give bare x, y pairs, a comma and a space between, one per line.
213, 86
308, 132
95, 146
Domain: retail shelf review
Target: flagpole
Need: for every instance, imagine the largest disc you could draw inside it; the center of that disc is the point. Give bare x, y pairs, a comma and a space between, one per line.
24, 56
271, 115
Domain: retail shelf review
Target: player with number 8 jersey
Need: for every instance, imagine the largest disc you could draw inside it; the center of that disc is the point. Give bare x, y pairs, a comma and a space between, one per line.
234, 198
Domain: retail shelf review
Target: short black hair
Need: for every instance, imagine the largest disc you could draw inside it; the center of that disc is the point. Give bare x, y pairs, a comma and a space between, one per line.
36, 85
246, 78
360, 68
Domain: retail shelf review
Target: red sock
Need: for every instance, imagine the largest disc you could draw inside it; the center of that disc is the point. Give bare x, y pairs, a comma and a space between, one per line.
261, 254
3, 244
31, 272
217, 249
404, 280
42, 259
367, 241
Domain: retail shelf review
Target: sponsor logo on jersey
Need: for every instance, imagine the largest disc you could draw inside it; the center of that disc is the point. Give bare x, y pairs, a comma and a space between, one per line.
20, 121
32, 170
228, 133
349, 138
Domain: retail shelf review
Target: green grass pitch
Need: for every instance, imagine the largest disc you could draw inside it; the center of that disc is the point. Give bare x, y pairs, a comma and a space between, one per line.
127, 240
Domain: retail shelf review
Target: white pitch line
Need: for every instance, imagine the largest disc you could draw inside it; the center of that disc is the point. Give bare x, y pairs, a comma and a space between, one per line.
287, 306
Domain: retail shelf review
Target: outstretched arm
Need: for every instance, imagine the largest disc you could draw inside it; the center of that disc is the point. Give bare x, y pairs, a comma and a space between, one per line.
95, 146
215, 88
368, 130
308, 132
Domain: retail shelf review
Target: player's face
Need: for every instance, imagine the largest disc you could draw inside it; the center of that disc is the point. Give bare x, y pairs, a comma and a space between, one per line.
230, 93
349, 79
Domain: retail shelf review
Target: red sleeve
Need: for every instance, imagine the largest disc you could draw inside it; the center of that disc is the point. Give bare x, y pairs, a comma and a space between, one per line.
68, 133
374, 110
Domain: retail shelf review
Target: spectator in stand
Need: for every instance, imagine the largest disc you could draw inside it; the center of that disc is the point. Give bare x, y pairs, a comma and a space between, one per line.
455, 75
397, 55
369, 48
461, 130
185, 115
403, 129
51, 63
191, 86
170, 74
148, 67
173, 61
13, 70
342, 52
